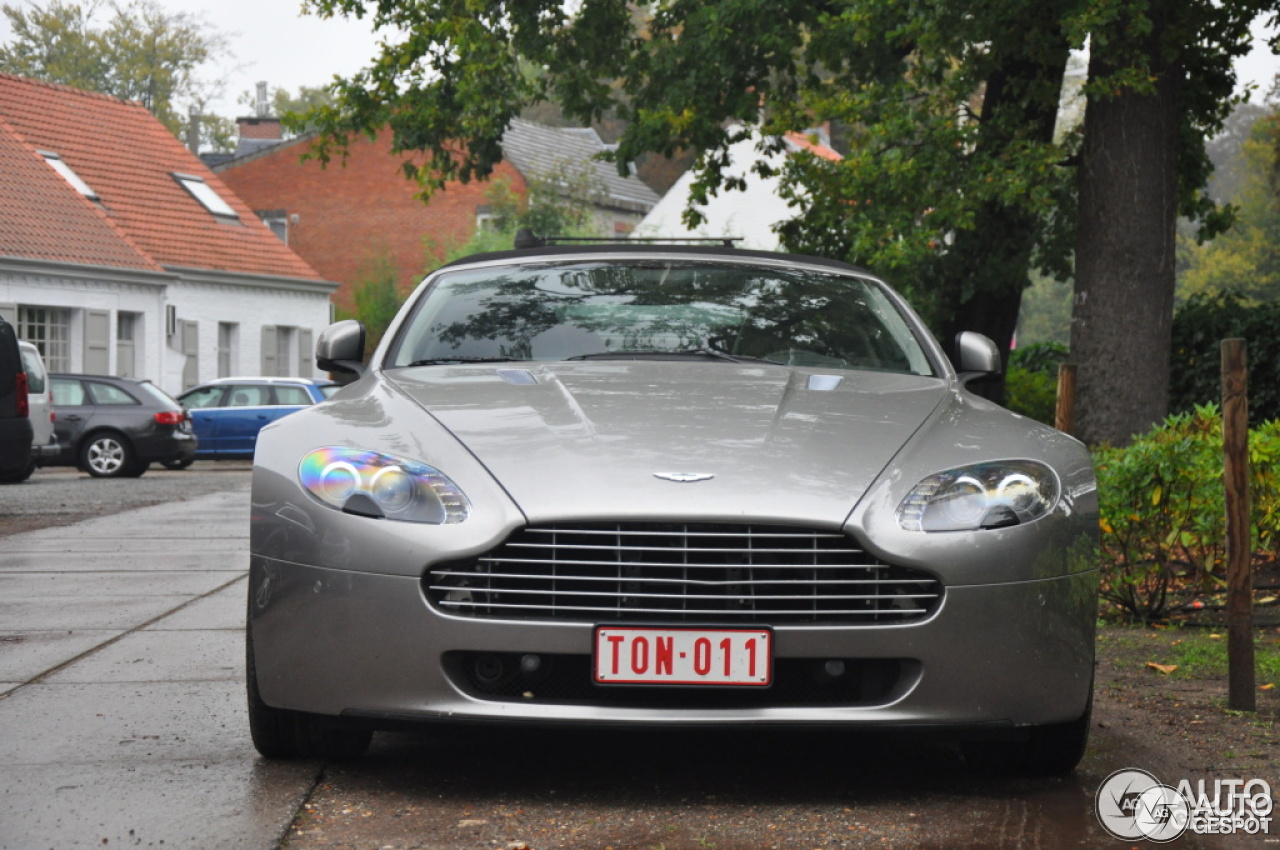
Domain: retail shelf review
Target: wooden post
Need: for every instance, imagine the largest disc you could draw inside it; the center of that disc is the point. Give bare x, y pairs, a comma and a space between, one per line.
1064, 418
1241, 675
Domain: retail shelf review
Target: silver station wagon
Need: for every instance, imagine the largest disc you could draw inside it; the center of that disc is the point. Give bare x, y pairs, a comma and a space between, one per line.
657, 486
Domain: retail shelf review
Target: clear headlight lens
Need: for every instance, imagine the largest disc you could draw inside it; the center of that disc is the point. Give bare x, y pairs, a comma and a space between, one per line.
377, 485
987, 495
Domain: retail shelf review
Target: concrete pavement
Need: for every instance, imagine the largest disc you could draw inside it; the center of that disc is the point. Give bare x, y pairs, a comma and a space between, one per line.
122, 718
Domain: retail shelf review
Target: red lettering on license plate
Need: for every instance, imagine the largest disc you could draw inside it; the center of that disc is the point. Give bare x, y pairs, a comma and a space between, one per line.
632, 655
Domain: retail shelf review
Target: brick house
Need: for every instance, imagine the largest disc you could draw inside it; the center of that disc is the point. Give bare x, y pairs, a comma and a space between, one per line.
121, 253
346, 217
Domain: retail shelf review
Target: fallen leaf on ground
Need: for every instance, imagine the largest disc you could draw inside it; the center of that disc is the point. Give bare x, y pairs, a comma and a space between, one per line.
1163, 668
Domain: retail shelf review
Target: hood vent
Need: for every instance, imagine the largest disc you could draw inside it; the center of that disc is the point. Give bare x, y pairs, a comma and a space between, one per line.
824, 383
519, 377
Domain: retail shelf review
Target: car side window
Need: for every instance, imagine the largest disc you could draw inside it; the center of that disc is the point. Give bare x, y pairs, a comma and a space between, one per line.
248, 395
35, 373
204, 397
292, 395
110, 394
65, 392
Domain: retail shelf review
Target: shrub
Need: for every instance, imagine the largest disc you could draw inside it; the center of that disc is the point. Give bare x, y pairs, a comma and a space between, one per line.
1199, 326
1163, 512
1031, 382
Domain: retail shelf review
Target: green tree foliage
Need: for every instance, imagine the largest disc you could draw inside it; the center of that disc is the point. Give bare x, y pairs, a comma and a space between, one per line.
376, 299
954, 183
553, 207
1045, 315
1246, 259
1200, 326
140, 52
1162, 506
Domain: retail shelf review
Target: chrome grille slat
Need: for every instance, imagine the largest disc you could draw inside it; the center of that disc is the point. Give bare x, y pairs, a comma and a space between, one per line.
577, 562
662, 611
694, 582
681, 572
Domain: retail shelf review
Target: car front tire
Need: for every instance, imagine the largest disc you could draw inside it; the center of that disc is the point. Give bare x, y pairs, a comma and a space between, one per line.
1052, 750
282, 734
109, 455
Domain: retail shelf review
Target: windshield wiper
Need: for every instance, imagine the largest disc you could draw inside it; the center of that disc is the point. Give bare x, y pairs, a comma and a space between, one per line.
442, 361
704, 351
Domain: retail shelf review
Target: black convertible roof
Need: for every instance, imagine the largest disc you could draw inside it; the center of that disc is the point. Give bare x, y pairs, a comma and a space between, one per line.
636, 247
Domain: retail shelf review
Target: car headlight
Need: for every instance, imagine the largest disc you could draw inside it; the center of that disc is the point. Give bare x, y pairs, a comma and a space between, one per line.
376, 485
986, 495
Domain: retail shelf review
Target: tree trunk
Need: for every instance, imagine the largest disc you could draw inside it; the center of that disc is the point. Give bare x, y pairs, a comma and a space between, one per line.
989, 264
1123, 312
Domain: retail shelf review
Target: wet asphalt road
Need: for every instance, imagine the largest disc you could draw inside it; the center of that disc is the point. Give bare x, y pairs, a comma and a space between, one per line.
123, 724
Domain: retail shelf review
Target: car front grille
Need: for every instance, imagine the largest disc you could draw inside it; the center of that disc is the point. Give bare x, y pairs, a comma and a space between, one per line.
682, 572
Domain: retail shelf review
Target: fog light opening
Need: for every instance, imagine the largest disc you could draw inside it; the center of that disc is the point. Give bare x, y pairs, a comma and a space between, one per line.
488, 668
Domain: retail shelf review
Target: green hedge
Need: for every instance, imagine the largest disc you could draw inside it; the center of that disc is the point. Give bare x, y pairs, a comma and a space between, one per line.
1199, 327
1163, 509
1031, 381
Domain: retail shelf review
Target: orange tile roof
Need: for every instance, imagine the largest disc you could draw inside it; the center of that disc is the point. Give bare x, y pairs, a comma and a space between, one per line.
128, 158
33, 195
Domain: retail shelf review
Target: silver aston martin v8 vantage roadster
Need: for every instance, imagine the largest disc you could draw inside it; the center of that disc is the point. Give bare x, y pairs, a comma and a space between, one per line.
668, 486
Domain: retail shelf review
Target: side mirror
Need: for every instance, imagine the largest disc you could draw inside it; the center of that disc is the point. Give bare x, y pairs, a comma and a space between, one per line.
340, 347
976, 356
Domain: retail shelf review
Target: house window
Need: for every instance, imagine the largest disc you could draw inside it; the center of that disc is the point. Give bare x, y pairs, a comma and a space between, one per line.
284, 350
205, 194
59, 165
128, 333
228, 356
49, 328
278, 221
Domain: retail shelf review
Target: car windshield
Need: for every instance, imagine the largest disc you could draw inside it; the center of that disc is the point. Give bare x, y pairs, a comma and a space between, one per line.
623, 309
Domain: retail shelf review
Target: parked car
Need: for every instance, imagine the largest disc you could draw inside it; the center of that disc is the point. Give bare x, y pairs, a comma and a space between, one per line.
654, 486
228, 413
15, 417
44, 443
116, 427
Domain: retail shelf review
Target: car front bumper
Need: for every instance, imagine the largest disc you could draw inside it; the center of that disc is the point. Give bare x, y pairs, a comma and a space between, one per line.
368, 645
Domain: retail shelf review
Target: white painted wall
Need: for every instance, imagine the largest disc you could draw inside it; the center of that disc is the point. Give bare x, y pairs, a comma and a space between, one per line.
205, 302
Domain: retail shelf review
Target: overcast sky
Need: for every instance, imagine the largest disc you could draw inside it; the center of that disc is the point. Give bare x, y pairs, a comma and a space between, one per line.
273, 41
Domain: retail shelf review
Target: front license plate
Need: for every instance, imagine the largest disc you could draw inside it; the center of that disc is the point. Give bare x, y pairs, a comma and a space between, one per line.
638, 655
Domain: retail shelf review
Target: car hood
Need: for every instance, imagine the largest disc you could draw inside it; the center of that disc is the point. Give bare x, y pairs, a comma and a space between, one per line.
588, 440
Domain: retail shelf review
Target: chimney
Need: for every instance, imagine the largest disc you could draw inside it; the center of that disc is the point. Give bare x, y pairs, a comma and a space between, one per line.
264, 107
193, 131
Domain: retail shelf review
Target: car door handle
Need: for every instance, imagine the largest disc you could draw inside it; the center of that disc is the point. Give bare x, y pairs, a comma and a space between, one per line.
68, 417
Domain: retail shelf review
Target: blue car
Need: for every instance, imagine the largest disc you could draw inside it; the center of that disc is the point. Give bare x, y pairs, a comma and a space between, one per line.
228, 413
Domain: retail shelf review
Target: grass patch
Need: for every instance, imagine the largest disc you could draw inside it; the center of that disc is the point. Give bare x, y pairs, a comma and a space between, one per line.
1201, 655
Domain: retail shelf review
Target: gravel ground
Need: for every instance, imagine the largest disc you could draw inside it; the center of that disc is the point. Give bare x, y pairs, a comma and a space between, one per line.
61, 495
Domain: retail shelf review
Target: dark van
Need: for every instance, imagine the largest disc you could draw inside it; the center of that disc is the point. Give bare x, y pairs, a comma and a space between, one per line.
15, 421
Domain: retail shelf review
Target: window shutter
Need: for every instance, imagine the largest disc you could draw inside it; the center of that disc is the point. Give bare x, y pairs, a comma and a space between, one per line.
269, 350
97, 342
306, 353
191, 348
10, 313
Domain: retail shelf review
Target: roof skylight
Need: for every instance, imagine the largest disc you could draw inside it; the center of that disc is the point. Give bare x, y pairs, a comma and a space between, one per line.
205, 194
59, 165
